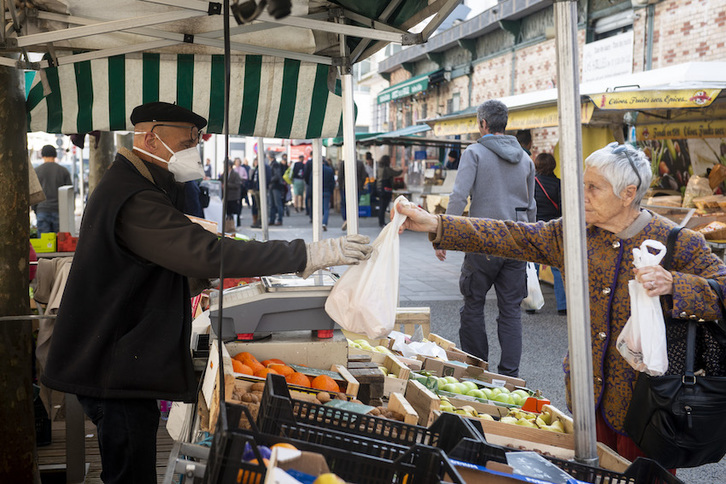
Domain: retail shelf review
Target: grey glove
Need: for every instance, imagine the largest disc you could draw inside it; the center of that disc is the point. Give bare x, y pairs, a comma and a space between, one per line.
347, 250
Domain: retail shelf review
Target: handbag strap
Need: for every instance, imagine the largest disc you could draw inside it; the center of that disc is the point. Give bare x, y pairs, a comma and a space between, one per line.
546, 194
688, 376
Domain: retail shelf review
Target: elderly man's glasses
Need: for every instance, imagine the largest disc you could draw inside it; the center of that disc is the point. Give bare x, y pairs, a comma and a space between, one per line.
623, 149
195, 134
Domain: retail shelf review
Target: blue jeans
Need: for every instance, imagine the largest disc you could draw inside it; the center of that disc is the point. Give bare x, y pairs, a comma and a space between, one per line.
276, 205
126, 437
508, 276
326, 207
47, 222
560, 295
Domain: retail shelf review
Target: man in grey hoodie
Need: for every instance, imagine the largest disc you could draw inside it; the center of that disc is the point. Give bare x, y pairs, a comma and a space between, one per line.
498, 175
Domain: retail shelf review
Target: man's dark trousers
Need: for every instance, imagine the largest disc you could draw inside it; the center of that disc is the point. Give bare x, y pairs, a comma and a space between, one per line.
126, 438
478, 274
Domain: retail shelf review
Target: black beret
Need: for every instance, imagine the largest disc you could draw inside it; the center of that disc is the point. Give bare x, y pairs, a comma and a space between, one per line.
48, 151
162, 112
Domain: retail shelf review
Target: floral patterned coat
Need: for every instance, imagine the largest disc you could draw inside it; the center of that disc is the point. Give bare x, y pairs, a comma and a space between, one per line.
610, 267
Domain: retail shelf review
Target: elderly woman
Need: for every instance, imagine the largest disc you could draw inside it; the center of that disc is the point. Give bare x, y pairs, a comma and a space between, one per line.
616, 178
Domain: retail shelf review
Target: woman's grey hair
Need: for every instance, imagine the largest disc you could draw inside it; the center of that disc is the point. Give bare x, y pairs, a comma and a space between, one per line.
495, 113
623, 165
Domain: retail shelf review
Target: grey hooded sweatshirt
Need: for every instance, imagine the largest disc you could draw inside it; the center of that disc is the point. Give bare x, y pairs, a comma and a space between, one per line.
499, 176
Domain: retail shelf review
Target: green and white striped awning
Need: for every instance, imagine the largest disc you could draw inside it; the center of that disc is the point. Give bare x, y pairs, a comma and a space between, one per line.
270, 96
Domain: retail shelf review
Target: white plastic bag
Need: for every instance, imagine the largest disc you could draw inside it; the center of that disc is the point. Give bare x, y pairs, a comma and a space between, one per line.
642, 342
365, 299
535, 299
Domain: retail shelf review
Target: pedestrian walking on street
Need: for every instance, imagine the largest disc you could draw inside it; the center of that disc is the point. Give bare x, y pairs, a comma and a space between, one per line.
51, 177
498, 175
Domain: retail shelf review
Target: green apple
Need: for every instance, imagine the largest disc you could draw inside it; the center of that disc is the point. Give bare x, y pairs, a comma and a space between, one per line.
440, 382
503, 398
496, 391
522, 394
451, 379
504, 389
476, 393
451, 388
469, 384
487, 393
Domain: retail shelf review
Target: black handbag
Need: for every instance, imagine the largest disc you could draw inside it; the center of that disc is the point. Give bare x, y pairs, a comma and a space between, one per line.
679, 419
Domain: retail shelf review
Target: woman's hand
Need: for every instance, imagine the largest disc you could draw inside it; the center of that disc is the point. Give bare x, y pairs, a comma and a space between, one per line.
418, 219
656, 280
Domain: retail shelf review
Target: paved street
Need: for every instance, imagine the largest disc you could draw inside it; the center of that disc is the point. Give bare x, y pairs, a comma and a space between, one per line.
425, 281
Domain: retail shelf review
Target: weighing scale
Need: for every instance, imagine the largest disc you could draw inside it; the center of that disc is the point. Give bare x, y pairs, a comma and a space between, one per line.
276, 303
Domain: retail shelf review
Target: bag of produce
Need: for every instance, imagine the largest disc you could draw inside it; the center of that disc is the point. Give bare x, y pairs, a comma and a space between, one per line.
365, 299
642, 342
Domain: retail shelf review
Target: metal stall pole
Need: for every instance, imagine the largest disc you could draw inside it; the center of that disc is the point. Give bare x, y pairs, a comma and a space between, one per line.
349, 156
317, 207
576, 277
262, 213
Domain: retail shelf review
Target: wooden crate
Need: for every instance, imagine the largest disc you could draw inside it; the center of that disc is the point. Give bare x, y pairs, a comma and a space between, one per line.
423, 401
397, 378
408, 318
397, 403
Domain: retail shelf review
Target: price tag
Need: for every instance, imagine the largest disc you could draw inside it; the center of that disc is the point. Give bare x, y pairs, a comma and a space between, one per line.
499, 383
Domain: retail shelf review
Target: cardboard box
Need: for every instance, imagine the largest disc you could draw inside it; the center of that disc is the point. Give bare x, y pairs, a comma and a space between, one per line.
310, 463
443, 368
455, 354
297, 347
45, 243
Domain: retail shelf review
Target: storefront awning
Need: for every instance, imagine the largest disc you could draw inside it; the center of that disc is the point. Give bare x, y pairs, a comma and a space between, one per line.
271, 96
406, 88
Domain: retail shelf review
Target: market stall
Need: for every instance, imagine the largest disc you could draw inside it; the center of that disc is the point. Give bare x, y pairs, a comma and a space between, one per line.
354, 442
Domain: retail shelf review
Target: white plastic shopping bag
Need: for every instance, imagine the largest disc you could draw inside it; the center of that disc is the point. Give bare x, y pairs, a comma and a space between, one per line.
365, 299
535, 299
642, 342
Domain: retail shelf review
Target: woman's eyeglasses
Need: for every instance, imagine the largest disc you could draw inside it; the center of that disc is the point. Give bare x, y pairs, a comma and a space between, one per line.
623, 149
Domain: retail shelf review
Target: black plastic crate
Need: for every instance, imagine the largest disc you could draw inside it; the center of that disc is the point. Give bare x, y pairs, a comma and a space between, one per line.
419, 464
277, 408
642, 471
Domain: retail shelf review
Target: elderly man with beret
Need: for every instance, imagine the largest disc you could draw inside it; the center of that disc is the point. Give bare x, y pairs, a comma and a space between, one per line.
122, 335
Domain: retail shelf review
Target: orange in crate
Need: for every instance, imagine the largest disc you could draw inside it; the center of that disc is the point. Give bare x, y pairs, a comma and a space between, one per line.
298, 379
325, 383
244, 356
272, 361
262, 373
240, 367
281, 369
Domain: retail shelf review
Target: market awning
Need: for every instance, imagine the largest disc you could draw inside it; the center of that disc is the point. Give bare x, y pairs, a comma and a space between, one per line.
406, 88
410, 136
338, 141
271, 96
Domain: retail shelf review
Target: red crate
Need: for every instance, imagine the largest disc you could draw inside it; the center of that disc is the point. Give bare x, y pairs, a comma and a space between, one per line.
66, 242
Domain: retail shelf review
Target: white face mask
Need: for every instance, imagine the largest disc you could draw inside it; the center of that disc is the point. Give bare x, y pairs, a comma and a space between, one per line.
186, 165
